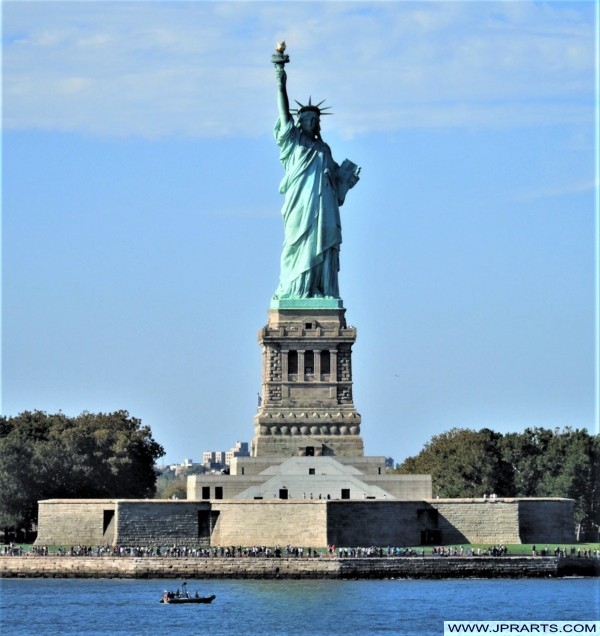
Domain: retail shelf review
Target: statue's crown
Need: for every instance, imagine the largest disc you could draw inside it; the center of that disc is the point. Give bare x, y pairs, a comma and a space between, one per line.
311, 108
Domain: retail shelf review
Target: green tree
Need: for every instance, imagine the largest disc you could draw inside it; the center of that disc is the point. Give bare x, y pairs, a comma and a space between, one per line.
169, 484
463, 463
538, 462
90, 456
176, 489
554, 463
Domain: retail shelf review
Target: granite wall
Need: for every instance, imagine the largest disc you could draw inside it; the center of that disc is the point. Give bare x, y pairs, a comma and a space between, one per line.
174, 522
314, 568
71, 522
546, 520
314, 523
275, 522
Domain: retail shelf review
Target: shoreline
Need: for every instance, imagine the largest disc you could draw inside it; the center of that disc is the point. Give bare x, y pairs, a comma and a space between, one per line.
296, 568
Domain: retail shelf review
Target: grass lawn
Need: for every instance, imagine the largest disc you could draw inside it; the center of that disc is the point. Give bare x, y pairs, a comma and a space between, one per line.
526, 549
513, 549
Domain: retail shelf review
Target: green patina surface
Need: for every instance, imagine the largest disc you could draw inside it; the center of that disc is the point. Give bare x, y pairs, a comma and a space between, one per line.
307, 303
314, 187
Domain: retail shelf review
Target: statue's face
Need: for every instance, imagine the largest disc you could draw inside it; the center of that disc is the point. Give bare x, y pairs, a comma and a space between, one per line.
310, 123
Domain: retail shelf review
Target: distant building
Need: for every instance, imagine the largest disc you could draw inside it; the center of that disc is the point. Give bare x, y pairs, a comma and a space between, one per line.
209, 458
213, 460
239, 450
218, 460
179, 468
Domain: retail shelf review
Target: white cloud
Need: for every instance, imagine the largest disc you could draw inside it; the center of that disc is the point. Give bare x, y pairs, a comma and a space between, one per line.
202, 68
560, 190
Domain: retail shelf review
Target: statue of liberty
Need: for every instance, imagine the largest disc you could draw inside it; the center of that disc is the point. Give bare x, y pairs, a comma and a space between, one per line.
314, 187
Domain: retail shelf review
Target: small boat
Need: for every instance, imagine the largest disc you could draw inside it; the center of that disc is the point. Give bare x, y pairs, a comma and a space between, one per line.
184, 597
175, 600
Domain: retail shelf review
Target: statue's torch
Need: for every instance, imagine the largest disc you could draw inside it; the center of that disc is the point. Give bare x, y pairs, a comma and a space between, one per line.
280, 58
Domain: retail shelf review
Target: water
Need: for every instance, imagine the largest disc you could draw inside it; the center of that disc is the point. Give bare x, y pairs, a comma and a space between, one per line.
51, 607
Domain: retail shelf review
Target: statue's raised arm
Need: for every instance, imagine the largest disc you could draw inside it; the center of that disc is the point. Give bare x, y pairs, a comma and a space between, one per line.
280, 59
314, 187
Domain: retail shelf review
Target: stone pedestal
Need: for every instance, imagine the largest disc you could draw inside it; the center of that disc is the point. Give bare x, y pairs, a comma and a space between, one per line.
306, 406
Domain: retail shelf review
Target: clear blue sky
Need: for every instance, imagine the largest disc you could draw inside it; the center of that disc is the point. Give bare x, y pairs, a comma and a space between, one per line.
141, 213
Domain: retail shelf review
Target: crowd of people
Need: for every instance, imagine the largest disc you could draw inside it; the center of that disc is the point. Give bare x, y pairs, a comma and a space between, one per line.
289, 551
559, 552
496, 550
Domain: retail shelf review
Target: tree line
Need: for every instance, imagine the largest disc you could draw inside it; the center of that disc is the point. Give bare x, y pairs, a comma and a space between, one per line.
538, 462
89, 456
113, 455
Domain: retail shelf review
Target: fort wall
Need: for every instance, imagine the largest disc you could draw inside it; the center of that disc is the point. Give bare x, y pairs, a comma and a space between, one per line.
271, 523
477, 521
546, 520
189, 568
505, 520
301, 522
374, 523
141, 522
76, 522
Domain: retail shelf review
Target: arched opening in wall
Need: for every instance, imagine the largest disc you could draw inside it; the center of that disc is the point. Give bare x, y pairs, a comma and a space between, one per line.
309, 363
204, 524
107, 521
293, 363
207, 520
431, 537
325, 363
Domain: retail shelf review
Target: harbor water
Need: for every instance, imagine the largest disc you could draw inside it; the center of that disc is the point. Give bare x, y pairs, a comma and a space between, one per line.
47, 607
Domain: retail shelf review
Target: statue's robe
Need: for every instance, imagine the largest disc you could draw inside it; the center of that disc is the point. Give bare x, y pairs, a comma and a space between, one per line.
311, 215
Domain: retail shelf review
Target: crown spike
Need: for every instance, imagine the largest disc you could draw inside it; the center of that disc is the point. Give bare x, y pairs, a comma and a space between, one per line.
310, 107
